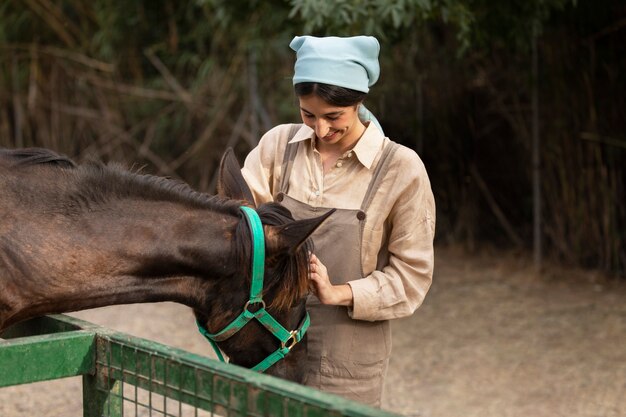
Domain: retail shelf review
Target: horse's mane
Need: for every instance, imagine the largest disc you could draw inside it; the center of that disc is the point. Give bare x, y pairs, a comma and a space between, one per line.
115, 181
95, 182
36, 156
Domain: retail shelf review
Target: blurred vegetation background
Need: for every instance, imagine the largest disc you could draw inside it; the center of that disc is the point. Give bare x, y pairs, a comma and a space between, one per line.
518, 108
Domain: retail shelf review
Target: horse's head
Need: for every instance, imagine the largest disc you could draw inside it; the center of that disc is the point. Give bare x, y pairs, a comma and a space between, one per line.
287, 247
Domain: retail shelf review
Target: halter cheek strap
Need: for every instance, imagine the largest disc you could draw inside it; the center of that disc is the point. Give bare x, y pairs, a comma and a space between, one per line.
288, 339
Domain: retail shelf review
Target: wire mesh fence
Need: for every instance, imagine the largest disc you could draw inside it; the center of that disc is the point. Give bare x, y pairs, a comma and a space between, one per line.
133, 377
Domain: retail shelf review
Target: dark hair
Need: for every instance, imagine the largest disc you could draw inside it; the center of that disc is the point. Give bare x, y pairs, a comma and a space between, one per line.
332, 94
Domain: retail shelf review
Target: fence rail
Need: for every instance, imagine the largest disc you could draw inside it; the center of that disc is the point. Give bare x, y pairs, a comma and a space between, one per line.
128, 376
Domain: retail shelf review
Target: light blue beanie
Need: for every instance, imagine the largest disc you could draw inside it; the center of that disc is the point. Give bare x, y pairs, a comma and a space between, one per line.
345, 62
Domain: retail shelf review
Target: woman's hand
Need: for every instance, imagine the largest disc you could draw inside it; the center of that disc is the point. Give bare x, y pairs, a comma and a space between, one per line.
322, 287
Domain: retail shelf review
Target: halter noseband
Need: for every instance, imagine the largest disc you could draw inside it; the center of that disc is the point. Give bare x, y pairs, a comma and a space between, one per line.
288, 339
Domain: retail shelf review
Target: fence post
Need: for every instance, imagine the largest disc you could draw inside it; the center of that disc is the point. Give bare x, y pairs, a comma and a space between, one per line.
102, 397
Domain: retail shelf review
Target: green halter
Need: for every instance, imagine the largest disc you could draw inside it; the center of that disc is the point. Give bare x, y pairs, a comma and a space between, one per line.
288, 339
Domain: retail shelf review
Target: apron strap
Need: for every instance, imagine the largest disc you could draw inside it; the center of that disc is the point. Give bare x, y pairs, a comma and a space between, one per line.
290, 155
383, 163
379, 173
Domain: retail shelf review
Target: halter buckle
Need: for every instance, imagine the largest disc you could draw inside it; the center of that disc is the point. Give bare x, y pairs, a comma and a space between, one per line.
291, 340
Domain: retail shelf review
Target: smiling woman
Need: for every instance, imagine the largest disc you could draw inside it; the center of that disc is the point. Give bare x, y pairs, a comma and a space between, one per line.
335, 122
373, 258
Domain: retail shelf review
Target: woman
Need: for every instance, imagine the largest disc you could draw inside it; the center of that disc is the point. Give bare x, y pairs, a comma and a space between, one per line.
373, 257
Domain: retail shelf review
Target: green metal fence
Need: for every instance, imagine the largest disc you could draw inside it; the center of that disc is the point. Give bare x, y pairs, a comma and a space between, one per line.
128, 376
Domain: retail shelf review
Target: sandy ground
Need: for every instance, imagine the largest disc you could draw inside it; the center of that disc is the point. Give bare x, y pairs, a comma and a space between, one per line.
491, 340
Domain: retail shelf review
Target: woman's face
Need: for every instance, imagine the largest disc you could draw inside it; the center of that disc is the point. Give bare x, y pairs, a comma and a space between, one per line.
334, 126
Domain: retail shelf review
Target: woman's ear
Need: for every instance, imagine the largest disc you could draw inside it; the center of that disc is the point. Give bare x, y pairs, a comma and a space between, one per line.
230, 181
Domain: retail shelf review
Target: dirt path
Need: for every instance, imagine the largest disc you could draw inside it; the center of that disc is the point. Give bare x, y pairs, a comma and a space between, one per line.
491, 340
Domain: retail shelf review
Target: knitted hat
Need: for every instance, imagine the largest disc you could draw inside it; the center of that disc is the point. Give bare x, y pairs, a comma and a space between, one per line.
345, 62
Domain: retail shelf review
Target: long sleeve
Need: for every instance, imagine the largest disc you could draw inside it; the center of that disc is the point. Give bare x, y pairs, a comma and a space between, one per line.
400, 287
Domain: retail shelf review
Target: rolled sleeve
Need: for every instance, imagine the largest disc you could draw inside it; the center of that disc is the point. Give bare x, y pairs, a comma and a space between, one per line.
366, 298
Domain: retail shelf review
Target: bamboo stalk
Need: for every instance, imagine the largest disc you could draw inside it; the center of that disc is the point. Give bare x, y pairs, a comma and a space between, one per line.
114, 135
536, 152
32, 78
607, 30
58, 15
183, 94
57, 26
55, 91
219, 114
253, 91
207, 133
131, 90
236, 134
495, 207
604, 140
61, 53
18, 110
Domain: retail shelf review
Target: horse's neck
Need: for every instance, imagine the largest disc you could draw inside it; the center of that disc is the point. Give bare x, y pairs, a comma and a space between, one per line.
141, 252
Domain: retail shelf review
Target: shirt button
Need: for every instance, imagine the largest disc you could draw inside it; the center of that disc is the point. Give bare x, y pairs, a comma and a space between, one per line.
339, 164
317, 193
350, 154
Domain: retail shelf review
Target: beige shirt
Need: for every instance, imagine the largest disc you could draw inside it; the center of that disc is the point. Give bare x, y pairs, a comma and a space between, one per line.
400, 220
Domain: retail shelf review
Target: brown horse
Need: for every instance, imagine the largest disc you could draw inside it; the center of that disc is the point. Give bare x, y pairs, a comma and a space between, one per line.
74, 237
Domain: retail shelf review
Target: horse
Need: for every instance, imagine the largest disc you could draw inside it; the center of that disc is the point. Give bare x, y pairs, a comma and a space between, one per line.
79, 236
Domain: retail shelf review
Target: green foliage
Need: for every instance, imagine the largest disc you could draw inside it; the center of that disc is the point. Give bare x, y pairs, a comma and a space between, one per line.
476, 22
381, 18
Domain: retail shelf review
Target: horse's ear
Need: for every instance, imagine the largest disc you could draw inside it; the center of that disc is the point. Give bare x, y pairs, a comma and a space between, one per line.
290, 237
230, 182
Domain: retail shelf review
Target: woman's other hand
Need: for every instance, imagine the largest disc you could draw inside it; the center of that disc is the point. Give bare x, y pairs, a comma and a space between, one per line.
322, 287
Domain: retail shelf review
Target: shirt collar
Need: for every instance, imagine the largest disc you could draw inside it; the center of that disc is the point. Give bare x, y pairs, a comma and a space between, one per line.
365, 149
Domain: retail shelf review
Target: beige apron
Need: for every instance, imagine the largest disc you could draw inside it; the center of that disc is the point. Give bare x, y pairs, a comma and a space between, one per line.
346, 357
